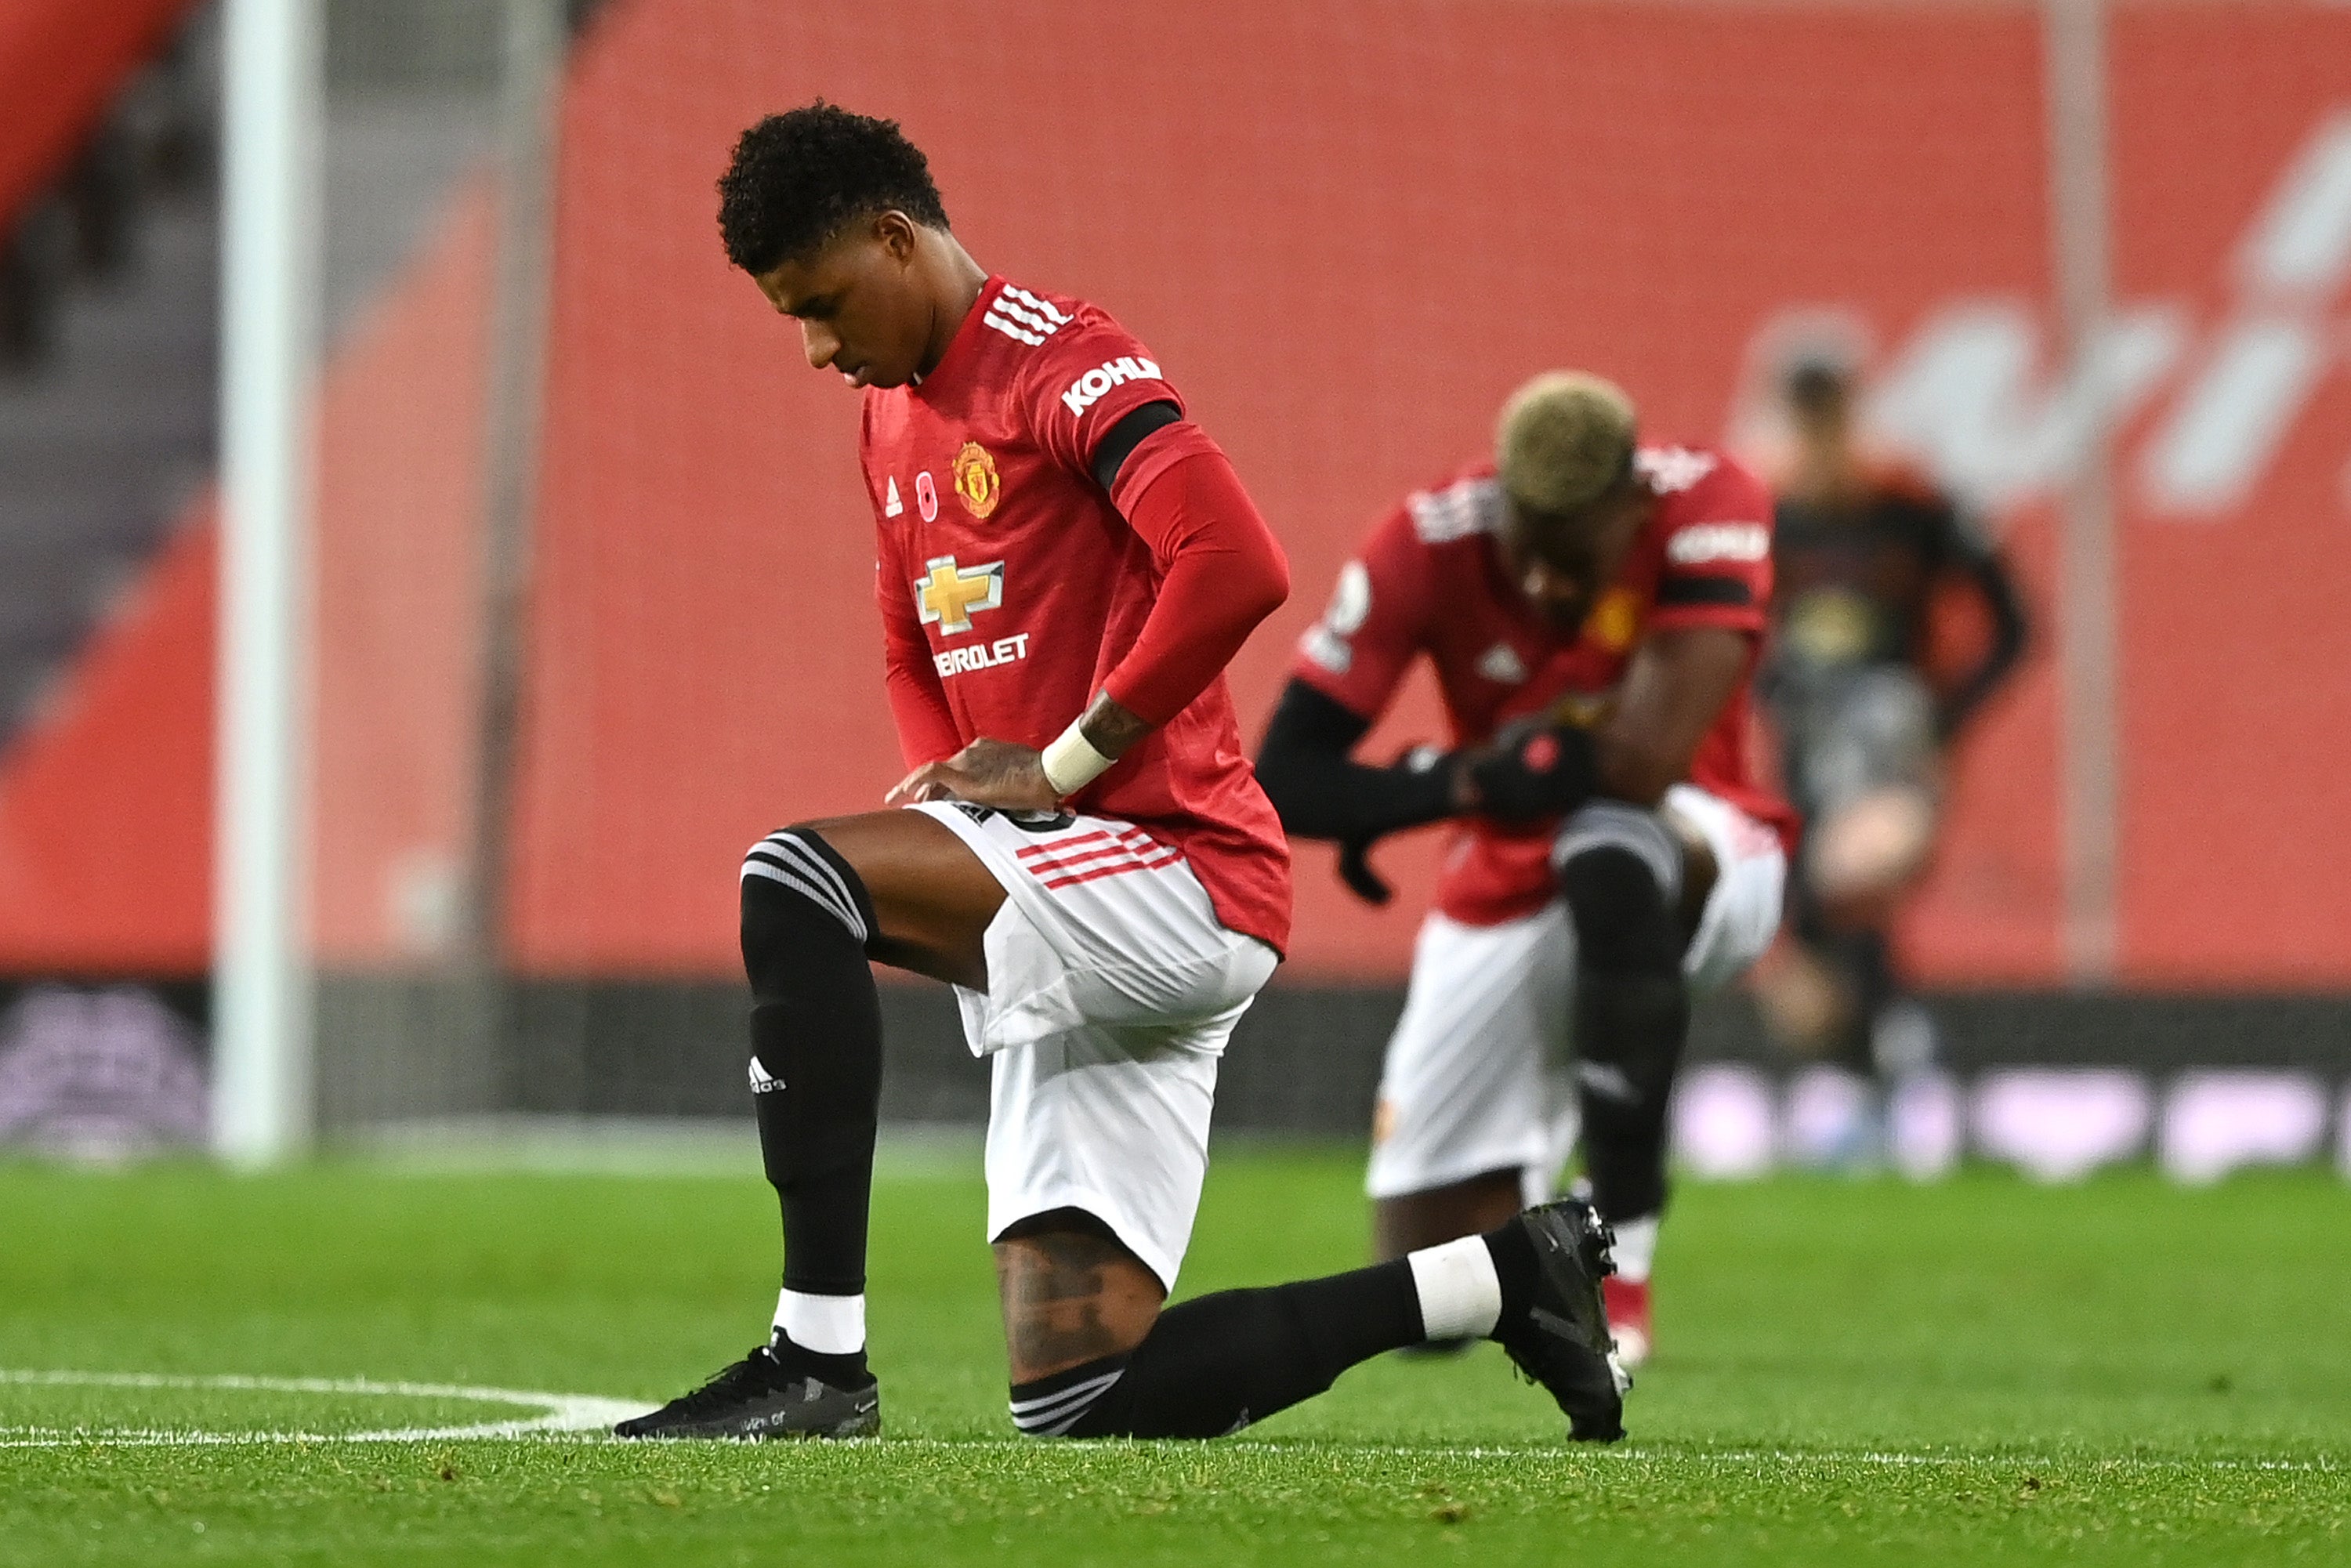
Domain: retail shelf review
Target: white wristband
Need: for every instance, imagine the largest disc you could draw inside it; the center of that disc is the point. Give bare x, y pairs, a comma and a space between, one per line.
1072, 762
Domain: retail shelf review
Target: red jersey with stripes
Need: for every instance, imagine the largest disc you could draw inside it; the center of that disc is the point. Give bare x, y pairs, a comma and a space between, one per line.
1009, 587
1431, 580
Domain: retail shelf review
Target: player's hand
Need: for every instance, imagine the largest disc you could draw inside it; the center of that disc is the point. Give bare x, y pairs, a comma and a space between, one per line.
1355, 870
1531, 768
1356, 854
986, 773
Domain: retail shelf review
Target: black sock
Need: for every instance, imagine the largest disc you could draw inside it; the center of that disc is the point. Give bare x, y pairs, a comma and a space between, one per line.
1636, 1024
815, 1052
1631, 1020
1862, 961
1513, 1251
839, 1371
1213, 1364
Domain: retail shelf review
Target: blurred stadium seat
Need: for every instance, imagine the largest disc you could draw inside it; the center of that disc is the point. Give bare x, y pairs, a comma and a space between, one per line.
108, 301
62, 63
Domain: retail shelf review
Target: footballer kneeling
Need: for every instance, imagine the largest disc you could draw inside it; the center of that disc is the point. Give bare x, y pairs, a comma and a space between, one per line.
1592, 609
1066, 562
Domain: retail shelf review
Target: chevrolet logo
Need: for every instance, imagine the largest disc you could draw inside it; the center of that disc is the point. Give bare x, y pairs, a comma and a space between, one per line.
947, 597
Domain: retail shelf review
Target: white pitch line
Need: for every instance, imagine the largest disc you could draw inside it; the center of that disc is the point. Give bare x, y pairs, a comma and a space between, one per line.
1629, 1454
586, 1415
560, 1413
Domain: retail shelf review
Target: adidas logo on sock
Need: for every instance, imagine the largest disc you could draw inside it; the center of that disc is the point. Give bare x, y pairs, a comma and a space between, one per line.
762, 1081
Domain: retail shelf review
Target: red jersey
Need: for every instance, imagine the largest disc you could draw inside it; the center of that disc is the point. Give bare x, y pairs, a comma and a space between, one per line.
1010, 585
1431, 580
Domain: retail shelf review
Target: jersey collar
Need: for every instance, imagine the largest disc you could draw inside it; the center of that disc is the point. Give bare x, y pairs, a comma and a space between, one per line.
960, 346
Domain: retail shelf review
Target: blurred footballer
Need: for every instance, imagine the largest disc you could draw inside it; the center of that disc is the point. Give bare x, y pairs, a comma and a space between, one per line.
1593, 609
1868, 550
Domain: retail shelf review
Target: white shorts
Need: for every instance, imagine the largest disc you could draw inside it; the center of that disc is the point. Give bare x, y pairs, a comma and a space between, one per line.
1478, 1076
1112, 989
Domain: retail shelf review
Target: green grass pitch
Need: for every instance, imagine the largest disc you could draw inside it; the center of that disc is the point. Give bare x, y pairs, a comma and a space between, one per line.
1983, 1371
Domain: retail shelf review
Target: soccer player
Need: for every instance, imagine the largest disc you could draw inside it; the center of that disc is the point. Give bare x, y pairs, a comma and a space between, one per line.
1592, 610
1865, 549
1066, 563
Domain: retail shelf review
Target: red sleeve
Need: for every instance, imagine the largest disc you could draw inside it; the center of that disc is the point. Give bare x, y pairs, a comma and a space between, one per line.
1358, 653
918, 698
1084, 380
1718, 554
1223, 571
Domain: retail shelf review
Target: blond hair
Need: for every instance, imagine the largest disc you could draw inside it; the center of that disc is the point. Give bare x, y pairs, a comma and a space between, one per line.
1565, 440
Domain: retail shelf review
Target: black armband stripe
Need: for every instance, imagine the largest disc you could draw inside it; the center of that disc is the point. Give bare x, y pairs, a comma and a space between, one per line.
1687, 590
1119, 442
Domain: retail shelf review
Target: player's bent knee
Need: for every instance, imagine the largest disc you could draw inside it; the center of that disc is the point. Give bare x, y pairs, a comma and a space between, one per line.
1862, 856
1622, 909
1632, 831
794, 870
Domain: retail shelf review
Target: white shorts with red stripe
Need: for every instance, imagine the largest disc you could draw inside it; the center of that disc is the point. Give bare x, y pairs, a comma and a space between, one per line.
1112, 989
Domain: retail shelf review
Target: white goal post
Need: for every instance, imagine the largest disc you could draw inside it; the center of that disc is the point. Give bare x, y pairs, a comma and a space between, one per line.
272, 242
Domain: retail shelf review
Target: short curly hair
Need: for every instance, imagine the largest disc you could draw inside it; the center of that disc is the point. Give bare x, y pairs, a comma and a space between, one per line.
799, 178
1565, 440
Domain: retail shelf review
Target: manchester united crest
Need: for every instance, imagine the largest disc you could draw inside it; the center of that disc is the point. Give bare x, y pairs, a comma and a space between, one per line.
977, 483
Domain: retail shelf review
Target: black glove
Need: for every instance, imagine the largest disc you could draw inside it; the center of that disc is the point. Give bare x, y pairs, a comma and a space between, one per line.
1355, 870
1424, 773
1531, 769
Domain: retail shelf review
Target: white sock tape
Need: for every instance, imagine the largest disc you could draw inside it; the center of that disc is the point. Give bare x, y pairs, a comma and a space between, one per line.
1072, 762
1460, 1294
828, 1325
1635, 1250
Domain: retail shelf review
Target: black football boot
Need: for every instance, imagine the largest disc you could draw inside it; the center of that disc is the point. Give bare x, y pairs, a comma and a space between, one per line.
757, 1398
1561, 1340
